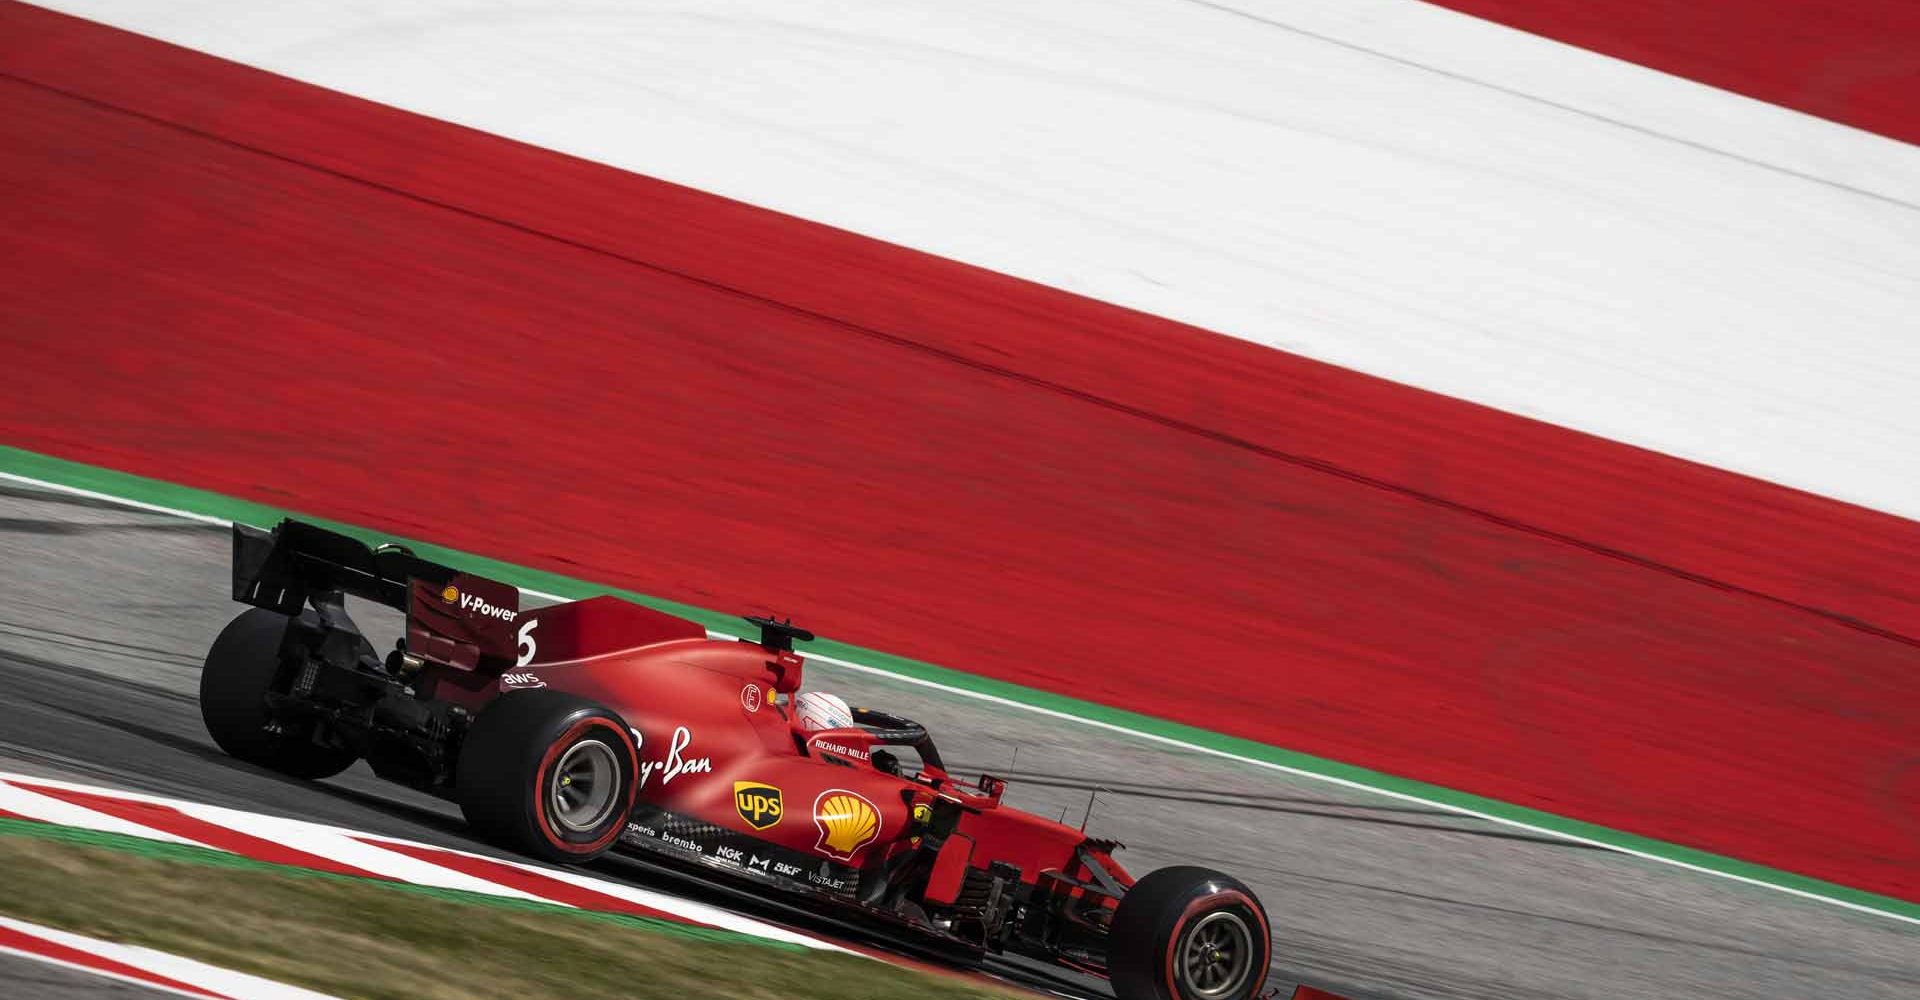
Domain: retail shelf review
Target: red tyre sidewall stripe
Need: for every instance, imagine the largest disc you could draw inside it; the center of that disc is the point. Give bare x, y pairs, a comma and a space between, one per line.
1226, 897
567, 739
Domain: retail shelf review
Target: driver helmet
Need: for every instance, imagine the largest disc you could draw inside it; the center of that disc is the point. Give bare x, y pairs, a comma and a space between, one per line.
817, 710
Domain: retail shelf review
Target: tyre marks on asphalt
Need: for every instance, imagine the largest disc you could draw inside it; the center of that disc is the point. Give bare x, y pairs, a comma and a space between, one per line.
1440, 820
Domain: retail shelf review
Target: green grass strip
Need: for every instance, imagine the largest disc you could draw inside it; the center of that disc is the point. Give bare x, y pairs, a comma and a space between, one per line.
367, 939
161, 850
126, 486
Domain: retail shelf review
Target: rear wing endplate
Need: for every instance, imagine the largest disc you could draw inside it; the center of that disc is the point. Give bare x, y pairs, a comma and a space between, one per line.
279, 569
459, 619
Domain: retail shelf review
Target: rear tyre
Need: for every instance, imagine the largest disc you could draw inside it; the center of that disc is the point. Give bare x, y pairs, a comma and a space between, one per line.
1188, 933
241, 668
548, 774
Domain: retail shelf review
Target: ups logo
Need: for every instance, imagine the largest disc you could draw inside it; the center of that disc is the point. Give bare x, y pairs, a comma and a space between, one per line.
758, 804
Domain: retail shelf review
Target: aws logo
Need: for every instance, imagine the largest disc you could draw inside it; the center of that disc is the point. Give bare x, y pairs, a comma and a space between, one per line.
758, 804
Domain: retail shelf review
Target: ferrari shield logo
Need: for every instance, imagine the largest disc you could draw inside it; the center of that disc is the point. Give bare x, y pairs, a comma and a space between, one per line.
758, 804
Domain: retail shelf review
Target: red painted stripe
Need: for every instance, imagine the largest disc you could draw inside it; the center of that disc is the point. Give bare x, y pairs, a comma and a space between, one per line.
514, 877
547, 887
1248, 404
709, 402
588, 899
42, 948
170, 820
1856, 62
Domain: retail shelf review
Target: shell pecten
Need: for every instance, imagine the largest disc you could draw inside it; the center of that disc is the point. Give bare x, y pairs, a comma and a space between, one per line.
847, 822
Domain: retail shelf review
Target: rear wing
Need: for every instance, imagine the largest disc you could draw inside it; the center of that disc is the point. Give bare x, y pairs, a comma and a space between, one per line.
458, 619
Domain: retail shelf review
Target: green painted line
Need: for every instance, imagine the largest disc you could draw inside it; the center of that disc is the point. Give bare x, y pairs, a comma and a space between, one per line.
141, 490
160, 850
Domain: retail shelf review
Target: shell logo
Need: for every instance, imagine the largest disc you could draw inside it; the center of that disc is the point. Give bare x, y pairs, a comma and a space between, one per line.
847, 822
451, 595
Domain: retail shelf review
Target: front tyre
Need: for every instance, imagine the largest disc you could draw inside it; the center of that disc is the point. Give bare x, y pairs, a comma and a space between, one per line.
241, 668
1188, 933
548, 774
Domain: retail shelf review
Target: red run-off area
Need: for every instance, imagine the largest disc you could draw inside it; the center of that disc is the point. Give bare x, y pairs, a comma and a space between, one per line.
1851, 61
227, 279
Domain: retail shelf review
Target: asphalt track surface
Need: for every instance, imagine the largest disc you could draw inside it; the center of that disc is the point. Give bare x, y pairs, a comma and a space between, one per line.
1005, 456
27, 979
105, 613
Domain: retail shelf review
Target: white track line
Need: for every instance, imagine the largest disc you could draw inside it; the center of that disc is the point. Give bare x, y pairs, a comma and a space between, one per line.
341, 846
320, 841
358, 848
101, 973
226, 982
1162, 740
47, 809
122, 501
688, 909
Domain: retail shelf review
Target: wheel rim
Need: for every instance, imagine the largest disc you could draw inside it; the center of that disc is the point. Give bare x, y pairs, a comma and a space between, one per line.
1216, 955
583, 786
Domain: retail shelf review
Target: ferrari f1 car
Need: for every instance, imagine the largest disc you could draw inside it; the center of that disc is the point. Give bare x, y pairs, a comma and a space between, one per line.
567, 731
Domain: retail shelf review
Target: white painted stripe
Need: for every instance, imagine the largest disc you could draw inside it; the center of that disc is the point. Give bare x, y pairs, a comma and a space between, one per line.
351, 847
1381, 184
1225, 755
102, 973
237, 985
697, 912
47, 809
330, 842
321, 841
74, 786
340, 845
118, 500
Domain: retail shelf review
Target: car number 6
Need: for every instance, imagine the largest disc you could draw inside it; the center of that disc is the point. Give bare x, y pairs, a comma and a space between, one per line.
527, 645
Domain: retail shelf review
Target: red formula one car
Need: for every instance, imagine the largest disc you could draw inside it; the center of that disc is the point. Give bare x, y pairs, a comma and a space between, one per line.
570, 730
